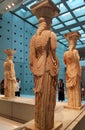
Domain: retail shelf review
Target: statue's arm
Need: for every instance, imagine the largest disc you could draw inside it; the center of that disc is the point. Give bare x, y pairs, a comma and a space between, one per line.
32, 52
77, 54
53, 41
64, 58
11, 74
53, 47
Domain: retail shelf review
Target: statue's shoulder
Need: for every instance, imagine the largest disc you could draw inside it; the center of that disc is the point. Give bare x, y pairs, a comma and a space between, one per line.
67, 53
10, 62
75, 51
52, 33
49, 32
45, 32
53, 36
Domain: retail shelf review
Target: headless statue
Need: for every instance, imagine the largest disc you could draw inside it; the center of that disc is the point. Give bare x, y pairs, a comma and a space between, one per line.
9, 74
44, 65
73, 71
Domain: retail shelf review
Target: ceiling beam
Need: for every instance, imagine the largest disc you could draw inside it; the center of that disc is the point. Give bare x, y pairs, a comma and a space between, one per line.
70, 26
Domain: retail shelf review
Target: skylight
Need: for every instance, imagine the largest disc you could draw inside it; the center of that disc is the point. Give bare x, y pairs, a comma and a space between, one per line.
76, 28
70, 22
75, 3
79, 12
28, 6
58, 26
56, 1
62, 8
33, 20
63, 32
80, 19
71, 18
66, 17
55, 21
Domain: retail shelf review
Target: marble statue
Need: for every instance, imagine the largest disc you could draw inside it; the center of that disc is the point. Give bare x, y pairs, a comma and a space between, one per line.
73, 71
44, 65
9, 74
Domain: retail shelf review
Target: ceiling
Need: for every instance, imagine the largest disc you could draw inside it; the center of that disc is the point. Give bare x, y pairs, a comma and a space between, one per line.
7, 5
71, 18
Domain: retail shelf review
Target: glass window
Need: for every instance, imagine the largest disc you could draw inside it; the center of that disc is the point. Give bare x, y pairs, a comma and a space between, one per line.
81, 31
76, 28
58, 26
75, 3
70, 22
55, 21
29, 5
62, 8
66, 17
56, 1
80, 19
64, 32
33, 20
79, 12
59, 37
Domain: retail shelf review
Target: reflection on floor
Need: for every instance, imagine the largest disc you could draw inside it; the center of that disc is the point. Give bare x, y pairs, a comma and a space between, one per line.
6, 124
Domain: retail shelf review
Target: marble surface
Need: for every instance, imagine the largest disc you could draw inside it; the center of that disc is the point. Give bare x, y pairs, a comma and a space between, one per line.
6, 124
19, 100
63, 115
66, 118
19, 108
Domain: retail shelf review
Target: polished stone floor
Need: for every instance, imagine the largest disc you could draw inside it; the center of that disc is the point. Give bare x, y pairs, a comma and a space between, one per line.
6, 124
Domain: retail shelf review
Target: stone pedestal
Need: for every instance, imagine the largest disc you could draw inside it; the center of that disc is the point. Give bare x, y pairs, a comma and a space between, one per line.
18, 109
22, 109
76, 108
7, 97
30, 125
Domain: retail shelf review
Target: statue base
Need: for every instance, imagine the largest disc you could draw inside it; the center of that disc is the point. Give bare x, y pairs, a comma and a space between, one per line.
76, 108
30, 125
7, 97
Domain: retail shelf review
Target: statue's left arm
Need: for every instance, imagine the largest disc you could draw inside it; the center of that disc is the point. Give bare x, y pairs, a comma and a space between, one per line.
53, 49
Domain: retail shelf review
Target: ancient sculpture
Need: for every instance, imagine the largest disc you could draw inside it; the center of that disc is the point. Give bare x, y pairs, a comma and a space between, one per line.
9, 74
44, 65
73, 71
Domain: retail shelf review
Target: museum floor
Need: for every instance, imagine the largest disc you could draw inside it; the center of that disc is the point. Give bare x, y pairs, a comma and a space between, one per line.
7, 124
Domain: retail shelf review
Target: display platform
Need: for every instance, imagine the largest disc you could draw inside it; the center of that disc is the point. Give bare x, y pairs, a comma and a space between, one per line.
65, 119
22, 109
72, 119
17, 108
30, 125
76, 108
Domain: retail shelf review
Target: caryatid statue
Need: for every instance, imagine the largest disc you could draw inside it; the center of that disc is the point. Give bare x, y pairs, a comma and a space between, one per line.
9, 74
73, 71
44, 65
